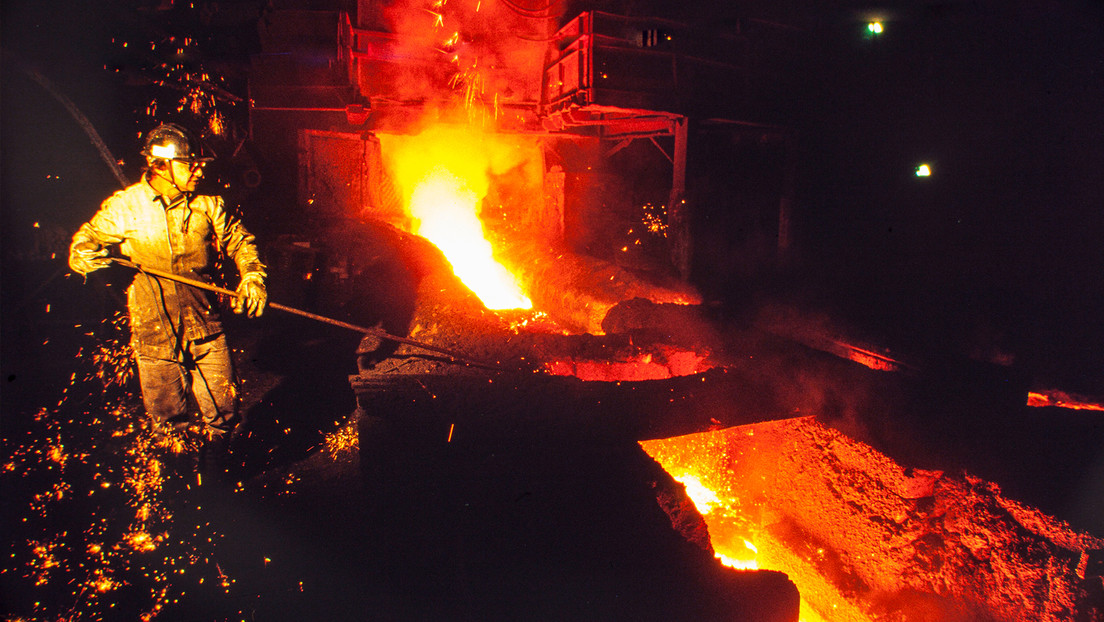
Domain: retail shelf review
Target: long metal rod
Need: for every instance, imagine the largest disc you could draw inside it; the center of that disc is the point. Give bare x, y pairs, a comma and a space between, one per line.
307, 314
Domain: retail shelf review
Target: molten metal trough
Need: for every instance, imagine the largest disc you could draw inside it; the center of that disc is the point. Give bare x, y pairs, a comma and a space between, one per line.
865, 538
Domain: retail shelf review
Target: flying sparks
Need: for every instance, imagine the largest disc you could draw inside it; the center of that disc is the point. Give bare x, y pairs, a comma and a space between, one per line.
343, 441
96, 529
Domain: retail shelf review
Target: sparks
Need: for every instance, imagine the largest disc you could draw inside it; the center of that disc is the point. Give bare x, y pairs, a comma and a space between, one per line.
345, 440
81, 542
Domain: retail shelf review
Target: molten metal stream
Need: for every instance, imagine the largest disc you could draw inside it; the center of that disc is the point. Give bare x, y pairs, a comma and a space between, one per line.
444, 176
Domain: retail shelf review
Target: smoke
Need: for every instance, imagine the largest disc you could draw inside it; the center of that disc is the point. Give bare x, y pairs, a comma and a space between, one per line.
474, 53
820, 380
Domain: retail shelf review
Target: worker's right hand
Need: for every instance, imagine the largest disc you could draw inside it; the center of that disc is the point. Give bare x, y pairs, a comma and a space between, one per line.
85, 257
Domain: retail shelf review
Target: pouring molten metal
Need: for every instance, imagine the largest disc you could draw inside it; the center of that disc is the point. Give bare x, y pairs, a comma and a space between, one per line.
445, 209
444, 174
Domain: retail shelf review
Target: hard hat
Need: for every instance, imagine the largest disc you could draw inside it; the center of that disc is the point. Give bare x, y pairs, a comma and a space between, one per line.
170, 141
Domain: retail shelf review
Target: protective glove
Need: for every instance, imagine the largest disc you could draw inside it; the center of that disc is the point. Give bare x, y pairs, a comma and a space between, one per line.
85, 257
252, 296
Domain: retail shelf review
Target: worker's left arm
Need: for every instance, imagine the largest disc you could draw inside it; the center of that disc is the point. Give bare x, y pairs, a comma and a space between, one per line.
240, 245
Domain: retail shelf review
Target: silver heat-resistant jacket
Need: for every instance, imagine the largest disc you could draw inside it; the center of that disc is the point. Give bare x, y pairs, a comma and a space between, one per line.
183, 240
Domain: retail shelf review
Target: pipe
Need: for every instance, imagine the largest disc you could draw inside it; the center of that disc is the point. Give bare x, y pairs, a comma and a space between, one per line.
85, 124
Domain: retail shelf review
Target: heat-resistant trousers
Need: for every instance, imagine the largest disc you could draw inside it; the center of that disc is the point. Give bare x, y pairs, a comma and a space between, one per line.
202, 368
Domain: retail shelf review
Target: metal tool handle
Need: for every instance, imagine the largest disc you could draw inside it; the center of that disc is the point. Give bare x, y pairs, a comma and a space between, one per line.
379, 332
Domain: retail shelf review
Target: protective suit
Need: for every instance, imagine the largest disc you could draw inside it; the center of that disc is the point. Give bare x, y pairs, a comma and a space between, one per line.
176, 332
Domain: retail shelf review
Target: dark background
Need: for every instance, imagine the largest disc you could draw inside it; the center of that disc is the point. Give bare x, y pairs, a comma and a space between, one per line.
999, 252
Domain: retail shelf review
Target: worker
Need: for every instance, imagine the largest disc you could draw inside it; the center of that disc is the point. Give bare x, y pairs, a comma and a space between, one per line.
176, 334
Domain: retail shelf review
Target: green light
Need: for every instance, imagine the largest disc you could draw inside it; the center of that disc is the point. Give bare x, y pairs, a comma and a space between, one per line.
923, 171
874, 28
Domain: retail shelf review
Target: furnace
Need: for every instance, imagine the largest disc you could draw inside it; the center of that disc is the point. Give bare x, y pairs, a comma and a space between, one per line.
631, 188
